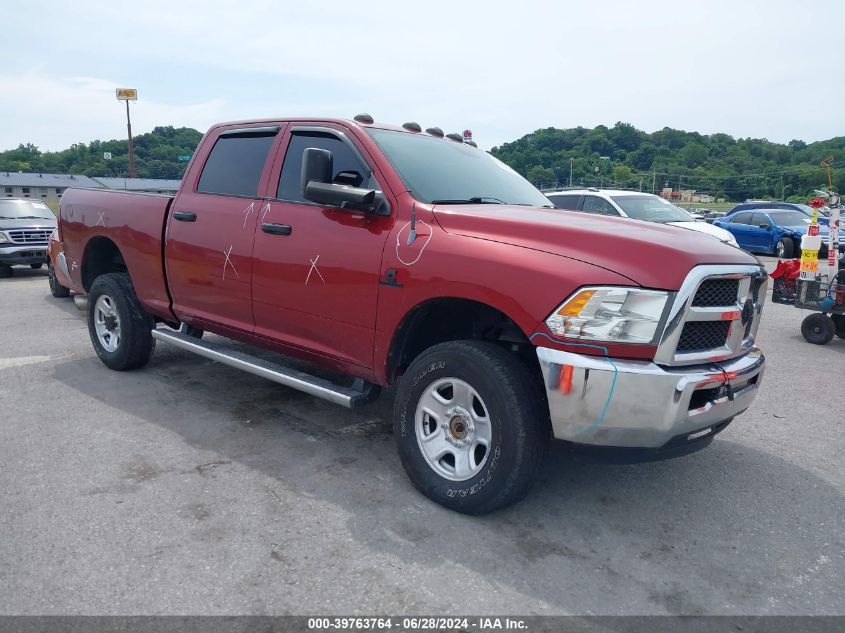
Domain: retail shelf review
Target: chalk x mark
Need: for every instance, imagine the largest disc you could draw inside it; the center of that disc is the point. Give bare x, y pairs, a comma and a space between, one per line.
101, 220
314, 269
228, 263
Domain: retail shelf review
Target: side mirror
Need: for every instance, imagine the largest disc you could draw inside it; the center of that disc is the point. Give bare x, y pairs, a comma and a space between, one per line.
316, 167
338, 195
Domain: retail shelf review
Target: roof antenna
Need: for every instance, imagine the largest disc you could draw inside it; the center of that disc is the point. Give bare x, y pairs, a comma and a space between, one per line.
413, 234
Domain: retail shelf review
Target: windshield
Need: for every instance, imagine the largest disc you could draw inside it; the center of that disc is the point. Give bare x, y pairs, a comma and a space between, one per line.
788, 218
436, 169
652, 209
24, 209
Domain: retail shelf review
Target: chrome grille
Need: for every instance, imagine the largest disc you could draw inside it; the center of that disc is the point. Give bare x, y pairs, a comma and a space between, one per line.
30, 236
715, 315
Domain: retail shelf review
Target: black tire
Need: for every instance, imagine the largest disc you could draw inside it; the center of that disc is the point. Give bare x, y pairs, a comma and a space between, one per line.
518, 416
56, 289
35, 266
5, 271
135, 343
785, 248
818, 329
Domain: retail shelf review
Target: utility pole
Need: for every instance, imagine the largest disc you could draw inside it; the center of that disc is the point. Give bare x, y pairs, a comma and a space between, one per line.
570, 172
653, 181
127, 95
132, 171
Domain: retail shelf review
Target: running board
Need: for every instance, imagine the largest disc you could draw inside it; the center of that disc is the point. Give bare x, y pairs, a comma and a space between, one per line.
351, 397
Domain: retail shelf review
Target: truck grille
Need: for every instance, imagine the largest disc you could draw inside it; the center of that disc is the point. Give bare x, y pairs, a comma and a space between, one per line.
715, 315
716, 292
703, 335
30, 236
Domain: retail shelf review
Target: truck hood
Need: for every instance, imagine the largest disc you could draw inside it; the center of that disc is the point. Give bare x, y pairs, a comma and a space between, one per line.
29, 223
651, 255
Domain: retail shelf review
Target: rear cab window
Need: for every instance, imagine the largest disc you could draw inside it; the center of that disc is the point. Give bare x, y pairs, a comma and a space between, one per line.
235, 163
600, 206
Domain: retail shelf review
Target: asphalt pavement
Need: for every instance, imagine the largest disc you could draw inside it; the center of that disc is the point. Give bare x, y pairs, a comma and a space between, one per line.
189, 487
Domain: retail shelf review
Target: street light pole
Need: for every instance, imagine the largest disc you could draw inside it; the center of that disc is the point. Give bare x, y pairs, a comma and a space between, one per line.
570, 172
132, 171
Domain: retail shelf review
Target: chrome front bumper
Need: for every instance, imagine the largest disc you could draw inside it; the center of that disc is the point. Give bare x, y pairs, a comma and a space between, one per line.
638, 404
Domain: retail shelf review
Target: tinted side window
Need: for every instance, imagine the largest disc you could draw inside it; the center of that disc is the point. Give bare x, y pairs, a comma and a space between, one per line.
347, 168
741, 218
234, 165
594, 204
565, 202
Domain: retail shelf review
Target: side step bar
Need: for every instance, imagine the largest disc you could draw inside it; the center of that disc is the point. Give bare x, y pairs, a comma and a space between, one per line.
351, 397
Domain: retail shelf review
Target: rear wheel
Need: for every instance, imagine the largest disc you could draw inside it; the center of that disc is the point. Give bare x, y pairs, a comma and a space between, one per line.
35, 266
56, 289
120, 330
818, 329
470, 429
785, 248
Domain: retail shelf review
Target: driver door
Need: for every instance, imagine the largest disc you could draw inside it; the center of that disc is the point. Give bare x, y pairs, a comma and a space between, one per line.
316, 268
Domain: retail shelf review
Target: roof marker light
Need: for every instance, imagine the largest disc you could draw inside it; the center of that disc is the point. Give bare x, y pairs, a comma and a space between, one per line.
412, 127
364, 118
435, 131
454, 136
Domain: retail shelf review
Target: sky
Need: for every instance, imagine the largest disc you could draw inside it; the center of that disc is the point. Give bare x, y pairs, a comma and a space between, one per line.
502, 69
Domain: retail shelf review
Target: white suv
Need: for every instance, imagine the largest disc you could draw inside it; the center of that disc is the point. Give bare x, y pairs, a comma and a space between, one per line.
634, 204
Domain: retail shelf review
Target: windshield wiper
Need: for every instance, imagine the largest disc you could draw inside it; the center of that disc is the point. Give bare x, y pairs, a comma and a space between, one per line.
473, 200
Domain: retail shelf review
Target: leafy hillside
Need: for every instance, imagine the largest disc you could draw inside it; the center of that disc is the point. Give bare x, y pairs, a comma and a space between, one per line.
156, 156
719, 164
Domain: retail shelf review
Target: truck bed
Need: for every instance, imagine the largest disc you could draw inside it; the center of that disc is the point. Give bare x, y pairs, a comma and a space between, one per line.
135, 222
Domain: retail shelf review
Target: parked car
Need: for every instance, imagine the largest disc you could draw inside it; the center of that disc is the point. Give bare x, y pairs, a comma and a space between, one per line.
392, 255
636, 205
25, 226
775, 231
762, 204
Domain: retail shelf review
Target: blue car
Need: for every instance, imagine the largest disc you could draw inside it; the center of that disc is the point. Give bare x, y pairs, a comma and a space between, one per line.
772, 231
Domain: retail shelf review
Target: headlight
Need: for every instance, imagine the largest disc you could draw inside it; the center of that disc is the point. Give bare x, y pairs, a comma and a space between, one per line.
618, 314
3, 237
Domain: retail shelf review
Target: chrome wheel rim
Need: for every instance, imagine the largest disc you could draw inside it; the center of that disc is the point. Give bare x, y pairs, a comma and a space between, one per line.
453, 429
107, 323
780, 249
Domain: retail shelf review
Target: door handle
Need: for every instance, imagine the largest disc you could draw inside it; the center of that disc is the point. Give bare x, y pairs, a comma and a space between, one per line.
185, 216
277, 229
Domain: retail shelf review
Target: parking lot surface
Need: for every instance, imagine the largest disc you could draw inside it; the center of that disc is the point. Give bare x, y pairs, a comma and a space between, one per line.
189, 487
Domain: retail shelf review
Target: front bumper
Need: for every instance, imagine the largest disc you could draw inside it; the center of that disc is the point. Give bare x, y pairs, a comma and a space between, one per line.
638, 404
20, 255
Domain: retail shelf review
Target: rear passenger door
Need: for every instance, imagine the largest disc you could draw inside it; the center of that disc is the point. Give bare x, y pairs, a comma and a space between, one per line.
741, 229
211, 228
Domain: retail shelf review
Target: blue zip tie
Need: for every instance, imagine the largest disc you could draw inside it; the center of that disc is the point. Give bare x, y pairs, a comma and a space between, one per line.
599, 420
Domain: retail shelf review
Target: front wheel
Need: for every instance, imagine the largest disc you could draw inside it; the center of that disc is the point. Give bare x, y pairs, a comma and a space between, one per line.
120, 330
471, 427
818, 329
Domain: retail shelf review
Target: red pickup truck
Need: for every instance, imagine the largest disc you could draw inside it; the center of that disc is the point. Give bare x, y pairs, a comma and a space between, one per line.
395, 255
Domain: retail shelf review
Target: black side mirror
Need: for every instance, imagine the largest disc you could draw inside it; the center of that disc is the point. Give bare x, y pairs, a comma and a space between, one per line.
317, 166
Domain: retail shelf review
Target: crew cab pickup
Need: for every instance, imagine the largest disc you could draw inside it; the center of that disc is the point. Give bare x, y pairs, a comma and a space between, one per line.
393, 255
